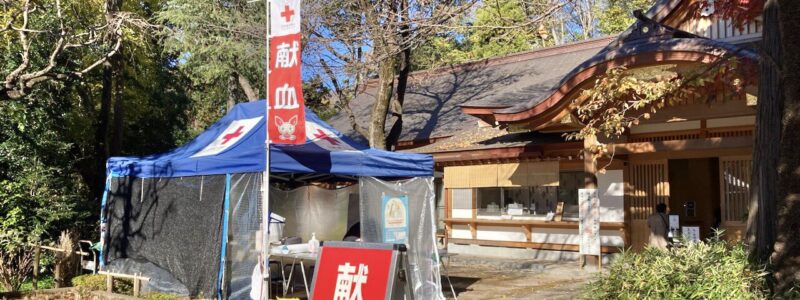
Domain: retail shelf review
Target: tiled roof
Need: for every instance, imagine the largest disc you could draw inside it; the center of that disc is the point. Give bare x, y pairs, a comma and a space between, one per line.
483, 138
433, 98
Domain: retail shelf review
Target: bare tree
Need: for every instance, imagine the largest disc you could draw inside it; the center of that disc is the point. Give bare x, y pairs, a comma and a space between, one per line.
360, 39
70, 34
357, 40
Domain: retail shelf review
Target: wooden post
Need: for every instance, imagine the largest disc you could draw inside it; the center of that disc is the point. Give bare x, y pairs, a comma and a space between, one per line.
109, 283
589, 163
527, 229
136, 285
36, 254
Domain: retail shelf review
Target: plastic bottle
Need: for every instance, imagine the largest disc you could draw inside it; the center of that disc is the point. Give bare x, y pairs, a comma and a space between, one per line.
313, 244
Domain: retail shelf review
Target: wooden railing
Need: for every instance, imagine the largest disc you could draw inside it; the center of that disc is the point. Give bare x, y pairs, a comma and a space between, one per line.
137, 281
527, 226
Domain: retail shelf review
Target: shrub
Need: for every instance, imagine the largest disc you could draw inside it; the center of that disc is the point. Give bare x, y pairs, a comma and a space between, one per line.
96, 282
707, 270
87, 283
123, 286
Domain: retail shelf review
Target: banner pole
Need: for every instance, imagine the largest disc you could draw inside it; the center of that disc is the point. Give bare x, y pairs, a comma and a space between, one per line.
265, 214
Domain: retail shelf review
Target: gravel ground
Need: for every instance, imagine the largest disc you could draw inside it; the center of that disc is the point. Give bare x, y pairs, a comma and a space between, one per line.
546, 281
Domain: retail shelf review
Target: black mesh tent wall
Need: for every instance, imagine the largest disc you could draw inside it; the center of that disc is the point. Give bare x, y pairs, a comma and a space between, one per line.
172, 230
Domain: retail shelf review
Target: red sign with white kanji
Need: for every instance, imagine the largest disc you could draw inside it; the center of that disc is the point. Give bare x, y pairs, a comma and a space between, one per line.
286, 121
352, 273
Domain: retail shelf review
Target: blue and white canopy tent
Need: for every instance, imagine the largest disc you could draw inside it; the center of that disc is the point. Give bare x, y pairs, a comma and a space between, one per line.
192, 218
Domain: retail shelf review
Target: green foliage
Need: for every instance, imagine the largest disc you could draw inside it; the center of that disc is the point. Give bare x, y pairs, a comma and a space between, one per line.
707, 270
123, 286
216, 39
497, 28
48, 163
622, 98
96, 282
317, 97
439, 51
617, 16
501, 27
45, 282
87, 283
39, 189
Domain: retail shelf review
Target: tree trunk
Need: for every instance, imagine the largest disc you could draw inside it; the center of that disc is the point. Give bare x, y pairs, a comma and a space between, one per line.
402, 81
231, 91
247, 88
107, 93
787, 246
119, 105
397, 110
377, 121
762, 219
101, 134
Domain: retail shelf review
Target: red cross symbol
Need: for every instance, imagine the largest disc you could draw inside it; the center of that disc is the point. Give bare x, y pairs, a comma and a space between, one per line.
287, 13
226, 138
322, 135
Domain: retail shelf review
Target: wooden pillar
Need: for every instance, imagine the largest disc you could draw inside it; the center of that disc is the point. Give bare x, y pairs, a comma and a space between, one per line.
590, 163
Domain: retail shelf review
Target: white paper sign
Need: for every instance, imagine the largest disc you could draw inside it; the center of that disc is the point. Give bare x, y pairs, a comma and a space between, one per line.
589, 221
674, 222
691, 233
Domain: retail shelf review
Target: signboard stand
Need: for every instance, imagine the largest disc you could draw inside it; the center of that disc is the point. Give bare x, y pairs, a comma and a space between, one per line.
351, 270
589, 226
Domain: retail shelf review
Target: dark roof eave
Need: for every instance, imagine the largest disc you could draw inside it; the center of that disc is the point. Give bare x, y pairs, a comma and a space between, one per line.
703, 46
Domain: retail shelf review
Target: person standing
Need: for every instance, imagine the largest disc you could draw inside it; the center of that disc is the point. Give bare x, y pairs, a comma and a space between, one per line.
659, 227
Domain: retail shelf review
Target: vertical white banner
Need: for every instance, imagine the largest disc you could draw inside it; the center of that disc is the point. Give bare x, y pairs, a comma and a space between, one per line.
589, 222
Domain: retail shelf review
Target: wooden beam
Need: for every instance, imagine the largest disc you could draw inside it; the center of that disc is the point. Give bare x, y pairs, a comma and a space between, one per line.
531, 245
534, 223
714, 143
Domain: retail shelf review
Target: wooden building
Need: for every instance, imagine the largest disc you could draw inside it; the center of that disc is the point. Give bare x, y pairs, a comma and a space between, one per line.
495, 129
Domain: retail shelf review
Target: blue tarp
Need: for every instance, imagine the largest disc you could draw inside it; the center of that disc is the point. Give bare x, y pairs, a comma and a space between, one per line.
235, 144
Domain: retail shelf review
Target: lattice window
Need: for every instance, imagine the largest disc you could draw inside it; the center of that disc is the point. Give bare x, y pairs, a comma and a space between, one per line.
666, 137
649, 186
735, 173
731, 133
690, 135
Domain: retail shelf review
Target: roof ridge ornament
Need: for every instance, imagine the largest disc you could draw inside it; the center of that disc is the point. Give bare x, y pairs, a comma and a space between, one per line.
650, 30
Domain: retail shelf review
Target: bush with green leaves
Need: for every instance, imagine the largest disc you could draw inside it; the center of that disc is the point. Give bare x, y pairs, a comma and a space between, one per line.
87, 283
708, 270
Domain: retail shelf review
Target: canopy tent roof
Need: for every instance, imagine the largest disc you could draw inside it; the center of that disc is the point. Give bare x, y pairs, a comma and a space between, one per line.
235, 144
